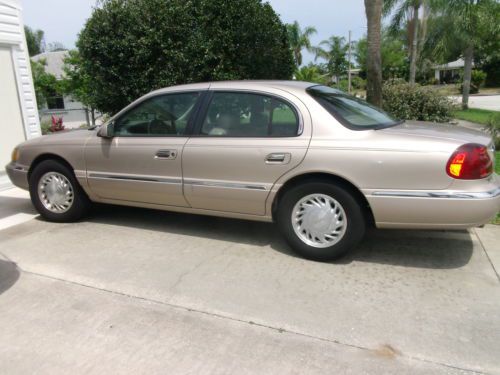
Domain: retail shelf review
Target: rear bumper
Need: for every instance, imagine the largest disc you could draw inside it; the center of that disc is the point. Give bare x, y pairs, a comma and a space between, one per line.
435, 209
18, 174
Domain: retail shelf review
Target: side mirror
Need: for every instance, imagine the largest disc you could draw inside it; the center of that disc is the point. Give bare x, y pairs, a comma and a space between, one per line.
106, 130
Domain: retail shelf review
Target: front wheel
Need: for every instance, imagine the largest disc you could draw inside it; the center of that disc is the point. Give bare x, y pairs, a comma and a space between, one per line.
320, 221
56, 194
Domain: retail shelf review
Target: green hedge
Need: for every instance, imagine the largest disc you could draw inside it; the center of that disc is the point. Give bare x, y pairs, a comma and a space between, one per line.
414, 102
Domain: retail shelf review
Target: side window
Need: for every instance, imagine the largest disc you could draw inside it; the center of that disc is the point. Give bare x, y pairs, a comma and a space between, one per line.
165, 115
249, 115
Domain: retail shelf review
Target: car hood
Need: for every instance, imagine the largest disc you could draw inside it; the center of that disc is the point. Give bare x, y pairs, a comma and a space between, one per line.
67, 137
439, 131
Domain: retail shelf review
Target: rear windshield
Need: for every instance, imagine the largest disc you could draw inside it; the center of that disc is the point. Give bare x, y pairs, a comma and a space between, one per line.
352, 112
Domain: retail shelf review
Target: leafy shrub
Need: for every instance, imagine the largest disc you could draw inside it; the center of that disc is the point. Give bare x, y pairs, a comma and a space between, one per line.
132, 47
342, 84
433, 81
310, 74
414, 102
45, 126
57, 124
473, 89
478, 78
358, 83
54, 125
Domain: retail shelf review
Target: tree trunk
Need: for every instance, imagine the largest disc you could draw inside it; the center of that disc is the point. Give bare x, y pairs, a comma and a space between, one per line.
425, 18
414, 45
298, 58
373, 10
92, 112
468, 57
87, 116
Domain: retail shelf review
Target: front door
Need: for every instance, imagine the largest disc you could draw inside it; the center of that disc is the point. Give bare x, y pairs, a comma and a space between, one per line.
244, 143
143, 160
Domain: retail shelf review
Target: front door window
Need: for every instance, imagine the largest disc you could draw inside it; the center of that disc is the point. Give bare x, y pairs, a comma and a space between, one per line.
164, 116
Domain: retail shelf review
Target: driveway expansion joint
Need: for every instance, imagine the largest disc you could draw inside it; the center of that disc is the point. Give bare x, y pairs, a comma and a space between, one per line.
262, 325
487, 255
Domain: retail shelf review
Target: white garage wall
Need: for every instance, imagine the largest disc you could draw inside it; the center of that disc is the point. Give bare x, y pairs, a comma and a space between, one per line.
12, 36
11, 129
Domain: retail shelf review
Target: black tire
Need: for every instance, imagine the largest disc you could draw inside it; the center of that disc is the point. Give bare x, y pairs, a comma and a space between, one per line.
81, 203
354, 232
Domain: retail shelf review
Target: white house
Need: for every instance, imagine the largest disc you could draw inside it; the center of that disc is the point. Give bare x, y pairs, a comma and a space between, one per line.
73, 112
18, 109
450, 72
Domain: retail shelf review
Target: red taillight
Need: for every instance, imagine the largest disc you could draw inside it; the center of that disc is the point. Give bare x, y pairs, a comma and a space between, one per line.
470, 162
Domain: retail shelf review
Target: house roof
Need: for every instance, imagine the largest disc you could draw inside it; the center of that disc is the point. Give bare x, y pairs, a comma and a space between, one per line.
457, 64
54, 62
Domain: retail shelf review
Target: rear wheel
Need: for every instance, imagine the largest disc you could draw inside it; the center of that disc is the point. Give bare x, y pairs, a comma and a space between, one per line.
320, 221
56, 194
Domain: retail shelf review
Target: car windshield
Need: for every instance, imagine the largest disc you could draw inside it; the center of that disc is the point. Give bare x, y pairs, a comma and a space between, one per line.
352, 112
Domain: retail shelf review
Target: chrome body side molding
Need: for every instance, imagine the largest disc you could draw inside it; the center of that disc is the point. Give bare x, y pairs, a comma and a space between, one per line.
110, 176
230, 185
437, 194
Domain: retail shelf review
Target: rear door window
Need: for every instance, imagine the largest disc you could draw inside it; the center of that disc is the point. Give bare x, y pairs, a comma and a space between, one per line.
232, 114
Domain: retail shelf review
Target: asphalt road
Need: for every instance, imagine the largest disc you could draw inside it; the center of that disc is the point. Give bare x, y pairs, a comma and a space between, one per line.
144, 292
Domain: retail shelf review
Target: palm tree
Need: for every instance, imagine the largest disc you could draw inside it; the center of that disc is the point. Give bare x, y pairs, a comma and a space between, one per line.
464, 23
334, 51
310, 73
299, 39
407, 10
373, 10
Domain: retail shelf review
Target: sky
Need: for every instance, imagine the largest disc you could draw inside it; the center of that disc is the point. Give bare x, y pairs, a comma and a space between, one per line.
62, 20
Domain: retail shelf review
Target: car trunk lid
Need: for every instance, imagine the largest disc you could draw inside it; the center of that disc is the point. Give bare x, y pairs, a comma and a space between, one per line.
440, 131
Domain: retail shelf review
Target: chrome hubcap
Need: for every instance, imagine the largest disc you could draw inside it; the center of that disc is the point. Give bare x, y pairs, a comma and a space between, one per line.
319, 220
55, 192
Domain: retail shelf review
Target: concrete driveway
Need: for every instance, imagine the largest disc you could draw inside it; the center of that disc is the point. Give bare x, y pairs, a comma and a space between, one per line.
136, 291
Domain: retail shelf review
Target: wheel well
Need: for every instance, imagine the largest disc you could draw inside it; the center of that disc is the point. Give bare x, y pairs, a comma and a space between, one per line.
44, 157
329, 178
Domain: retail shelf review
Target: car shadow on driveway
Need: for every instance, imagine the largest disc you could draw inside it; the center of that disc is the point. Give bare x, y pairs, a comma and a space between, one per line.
9, 274
419, 249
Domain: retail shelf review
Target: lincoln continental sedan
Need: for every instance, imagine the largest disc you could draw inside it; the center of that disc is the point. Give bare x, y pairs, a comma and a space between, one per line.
321, 164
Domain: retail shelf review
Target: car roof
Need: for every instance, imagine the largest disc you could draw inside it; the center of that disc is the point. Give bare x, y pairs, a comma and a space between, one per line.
289, 86
250, 84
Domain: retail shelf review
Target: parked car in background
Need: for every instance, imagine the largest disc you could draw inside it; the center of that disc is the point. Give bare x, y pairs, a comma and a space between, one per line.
320, 163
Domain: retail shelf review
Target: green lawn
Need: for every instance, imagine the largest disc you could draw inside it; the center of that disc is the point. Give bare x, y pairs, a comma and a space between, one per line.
479, 116
497, 163
497, 169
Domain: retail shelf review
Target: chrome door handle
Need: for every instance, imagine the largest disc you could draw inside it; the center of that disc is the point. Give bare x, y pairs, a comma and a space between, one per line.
166, 154
278, 158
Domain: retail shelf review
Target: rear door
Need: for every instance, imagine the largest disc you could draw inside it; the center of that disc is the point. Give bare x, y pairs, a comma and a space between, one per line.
245, 140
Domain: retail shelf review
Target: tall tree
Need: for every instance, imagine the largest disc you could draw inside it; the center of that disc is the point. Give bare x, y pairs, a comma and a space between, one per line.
56, 46
35, 41
334, 51
310, 73
407, 11
78, 84
373, 10
46, 85
464, 24
393, 52
132, 47
299, 39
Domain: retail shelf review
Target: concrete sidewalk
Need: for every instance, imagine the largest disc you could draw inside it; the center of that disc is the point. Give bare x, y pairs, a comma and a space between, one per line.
141, 291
